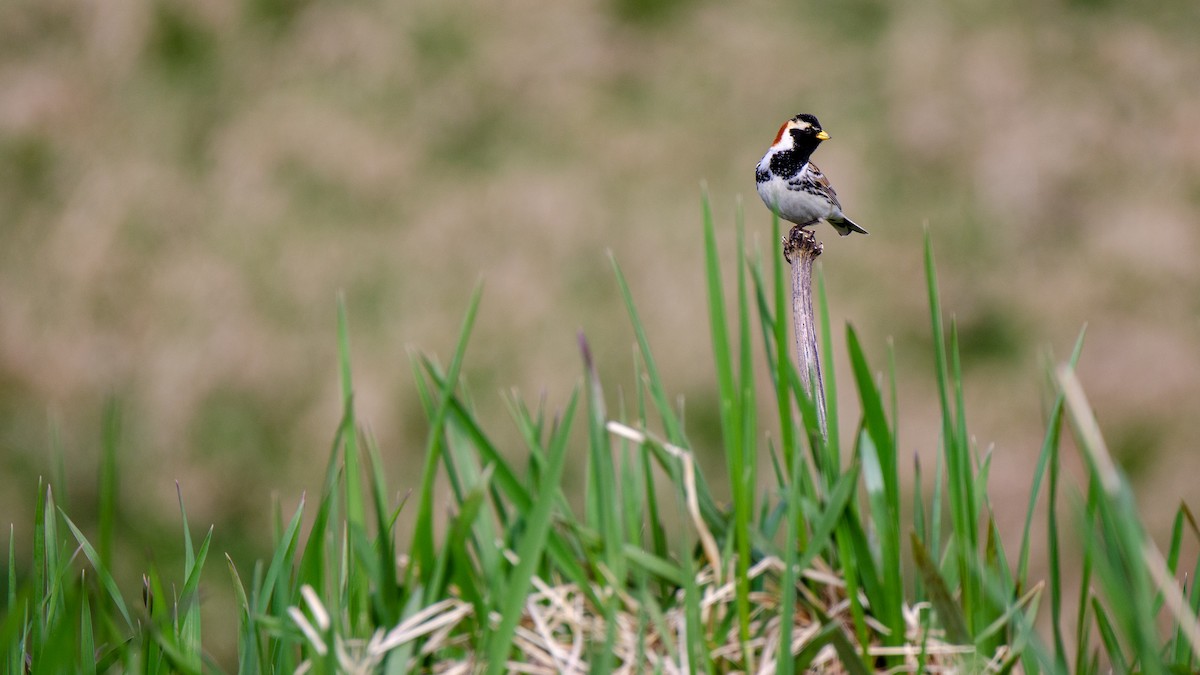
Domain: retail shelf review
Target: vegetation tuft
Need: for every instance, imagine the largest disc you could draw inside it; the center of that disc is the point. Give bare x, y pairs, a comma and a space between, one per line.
816, 564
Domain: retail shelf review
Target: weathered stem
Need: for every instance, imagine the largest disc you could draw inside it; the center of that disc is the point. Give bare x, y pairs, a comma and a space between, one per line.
801, 249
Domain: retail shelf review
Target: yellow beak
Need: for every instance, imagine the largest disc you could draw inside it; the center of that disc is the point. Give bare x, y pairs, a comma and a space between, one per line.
822, 136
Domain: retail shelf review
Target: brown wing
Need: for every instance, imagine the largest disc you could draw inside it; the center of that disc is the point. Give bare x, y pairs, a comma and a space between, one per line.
821, 180
811, 180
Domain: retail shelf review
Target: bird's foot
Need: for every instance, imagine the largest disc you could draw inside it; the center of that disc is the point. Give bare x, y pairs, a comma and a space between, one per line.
801, 240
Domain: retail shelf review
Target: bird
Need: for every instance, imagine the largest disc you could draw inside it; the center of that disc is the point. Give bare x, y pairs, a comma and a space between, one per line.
792, 186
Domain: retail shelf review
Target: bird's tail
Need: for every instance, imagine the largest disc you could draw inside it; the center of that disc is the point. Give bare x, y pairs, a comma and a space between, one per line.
845, 226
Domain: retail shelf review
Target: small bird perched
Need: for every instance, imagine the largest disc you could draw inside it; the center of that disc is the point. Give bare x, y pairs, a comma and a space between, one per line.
793, 186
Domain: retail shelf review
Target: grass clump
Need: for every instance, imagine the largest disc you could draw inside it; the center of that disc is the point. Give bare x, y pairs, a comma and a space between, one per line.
820, 570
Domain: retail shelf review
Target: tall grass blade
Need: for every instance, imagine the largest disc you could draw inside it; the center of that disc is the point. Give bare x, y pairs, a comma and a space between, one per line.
531, 545
722, 353
87, 640
107, 516
745, 474
727, 390
386, 596
671, 424
422, 548
508, 486
102, 572
1121, 547
313, 569
831, 517
276, 578
1108, 636
1046, 458
949, 612
189, 602
603, 484
963, 512
882, 480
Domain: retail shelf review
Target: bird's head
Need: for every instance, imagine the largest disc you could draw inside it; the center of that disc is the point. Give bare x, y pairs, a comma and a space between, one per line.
802, 131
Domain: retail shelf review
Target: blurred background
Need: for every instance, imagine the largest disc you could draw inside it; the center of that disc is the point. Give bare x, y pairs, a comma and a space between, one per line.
186, 186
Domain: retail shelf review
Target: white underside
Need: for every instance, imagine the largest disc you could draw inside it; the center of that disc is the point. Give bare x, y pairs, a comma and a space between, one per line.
795, 206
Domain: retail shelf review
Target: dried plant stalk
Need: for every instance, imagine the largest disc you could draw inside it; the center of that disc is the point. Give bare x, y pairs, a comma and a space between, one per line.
801, 248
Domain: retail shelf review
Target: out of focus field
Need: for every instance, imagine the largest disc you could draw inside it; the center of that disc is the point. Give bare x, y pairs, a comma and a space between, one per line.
186, 186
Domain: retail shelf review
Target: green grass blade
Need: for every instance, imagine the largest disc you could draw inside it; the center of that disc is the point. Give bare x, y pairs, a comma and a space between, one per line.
729, 399
893, 399
355, 505
43, 554
280, 562
422, 548
505, 478
949, 612
1048, 452
1108, 637
107, 516
1049, 463
850, 660
531, 546
963, 511
603, 484
386, 596
10, 605
87, 640
313, 568
661, 568
1083, 630
1183, 650
745, 476
803, 660
727, 391
1120, 545
886, 521
962, 441
456, 546
357, 584
939, 341
510, 487
106, 579
189, 631
671, 424
247, 630
832, 517
965, 499
722, 353
603, 477
653, 515
882, 479
849, 657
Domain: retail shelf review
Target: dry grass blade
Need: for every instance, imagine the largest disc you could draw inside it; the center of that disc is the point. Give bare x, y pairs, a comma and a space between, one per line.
428, 620
707, 541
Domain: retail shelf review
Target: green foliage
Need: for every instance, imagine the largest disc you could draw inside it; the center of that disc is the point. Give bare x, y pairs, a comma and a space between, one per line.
648, 12
27, 167
645, 561
180, 43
